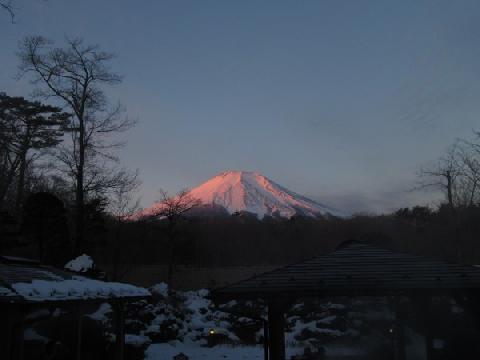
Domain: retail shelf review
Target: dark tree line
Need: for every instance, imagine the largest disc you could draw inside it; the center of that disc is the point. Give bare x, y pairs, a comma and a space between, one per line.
245, 240
449, 231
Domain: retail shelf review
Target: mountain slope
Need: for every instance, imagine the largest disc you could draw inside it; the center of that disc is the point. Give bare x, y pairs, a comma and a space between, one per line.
243, 191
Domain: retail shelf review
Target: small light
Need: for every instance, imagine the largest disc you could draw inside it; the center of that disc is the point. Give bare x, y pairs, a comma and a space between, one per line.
390, 331
212, 332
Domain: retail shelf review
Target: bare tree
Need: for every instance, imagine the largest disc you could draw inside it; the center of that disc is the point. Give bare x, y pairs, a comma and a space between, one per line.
457, 174
173, 208
123, 205
443, 175
469, 180
76, 75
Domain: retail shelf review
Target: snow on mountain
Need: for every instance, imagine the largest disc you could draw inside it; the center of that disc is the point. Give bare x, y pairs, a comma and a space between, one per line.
244, 191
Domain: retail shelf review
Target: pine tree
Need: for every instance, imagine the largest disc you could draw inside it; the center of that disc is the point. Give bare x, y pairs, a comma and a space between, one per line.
27, 128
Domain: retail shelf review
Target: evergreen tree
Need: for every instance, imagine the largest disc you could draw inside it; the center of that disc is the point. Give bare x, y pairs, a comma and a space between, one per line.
27, 128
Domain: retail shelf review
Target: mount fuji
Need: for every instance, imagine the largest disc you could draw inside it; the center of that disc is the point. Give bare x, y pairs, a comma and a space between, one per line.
251, 192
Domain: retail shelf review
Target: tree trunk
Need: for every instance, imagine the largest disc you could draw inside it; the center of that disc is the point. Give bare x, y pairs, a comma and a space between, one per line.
21, 184
472, 194
276, 330
116, 252
450, 189
8, 182
171, 253
21, 172
171, 264
79, 191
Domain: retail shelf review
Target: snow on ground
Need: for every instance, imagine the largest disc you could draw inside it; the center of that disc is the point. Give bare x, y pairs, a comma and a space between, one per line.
6, 292
166, 351
137, 340
101, 313
199, 315
160, 289
82, 263
186, 322
31, 335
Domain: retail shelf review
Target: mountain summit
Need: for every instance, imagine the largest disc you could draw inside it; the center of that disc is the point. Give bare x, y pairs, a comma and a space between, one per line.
244, 191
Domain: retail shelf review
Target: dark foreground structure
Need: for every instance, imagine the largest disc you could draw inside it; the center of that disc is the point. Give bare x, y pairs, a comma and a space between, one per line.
360, 269
27, 288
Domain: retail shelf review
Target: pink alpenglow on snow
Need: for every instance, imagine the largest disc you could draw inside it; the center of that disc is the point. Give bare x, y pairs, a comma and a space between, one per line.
244, 191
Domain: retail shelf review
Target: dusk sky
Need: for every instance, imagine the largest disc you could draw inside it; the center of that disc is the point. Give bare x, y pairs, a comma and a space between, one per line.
342, 101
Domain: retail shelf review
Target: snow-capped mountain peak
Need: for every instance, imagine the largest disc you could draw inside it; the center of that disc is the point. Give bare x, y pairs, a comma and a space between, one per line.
245, 191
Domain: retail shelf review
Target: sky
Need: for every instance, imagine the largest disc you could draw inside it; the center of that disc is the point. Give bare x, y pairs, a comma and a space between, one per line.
342, 101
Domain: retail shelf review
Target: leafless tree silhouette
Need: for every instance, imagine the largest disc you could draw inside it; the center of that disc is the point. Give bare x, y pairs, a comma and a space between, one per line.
76, 75
173, 208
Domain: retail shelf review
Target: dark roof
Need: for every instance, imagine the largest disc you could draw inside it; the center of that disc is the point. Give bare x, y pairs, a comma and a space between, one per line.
356, 268
23, 280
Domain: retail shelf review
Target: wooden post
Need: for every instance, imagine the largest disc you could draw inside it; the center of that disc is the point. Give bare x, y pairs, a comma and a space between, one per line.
15, 318
78, 354
400, 351
19, 340
426, 314
472, 304
6, 350
119, 330
470, 301
276, 330
265, 340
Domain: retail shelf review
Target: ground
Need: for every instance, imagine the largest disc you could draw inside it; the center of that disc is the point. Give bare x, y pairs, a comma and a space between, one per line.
166, 351
195, 352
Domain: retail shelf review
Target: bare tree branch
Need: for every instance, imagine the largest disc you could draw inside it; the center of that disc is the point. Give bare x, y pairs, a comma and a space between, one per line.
8, 7
457, 174
173, 208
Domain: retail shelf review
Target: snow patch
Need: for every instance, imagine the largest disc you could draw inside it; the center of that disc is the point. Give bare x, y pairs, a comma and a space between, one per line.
160, 289
77, 288
6, 292
31, 335
101, 313
137, 340
82, 263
